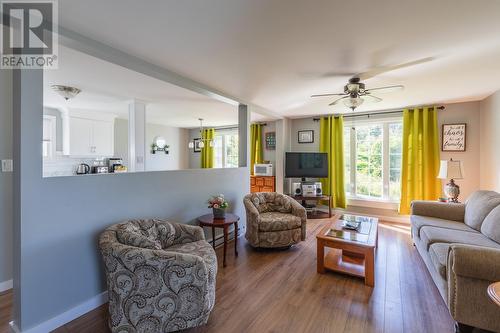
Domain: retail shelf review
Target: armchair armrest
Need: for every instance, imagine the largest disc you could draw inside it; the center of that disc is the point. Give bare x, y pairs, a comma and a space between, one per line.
185, 233
441, 210
476, 262
298, 210
252, 212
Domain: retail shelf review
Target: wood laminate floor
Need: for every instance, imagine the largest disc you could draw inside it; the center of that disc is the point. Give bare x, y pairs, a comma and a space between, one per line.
280, 291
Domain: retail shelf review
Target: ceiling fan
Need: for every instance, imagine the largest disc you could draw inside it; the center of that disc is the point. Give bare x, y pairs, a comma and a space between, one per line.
355, 92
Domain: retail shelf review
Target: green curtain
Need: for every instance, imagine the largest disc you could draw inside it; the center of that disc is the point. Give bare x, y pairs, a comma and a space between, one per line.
207, 152
331, 141
420, 164
256, 151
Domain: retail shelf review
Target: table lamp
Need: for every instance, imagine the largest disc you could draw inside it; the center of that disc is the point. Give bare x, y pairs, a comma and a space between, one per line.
451, 170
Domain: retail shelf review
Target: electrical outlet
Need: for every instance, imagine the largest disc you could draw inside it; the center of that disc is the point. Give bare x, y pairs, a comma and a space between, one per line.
7, 166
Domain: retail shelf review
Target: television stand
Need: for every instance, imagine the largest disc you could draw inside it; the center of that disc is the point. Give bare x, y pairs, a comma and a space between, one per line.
315, 214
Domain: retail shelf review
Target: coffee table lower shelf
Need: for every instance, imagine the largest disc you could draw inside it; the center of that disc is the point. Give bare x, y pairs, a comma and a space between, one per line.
348, 264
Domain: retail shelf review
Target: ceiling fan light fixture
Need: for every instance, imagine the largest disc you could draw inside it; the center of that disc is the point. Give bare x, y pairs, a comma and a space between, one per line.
353, 102
66, 92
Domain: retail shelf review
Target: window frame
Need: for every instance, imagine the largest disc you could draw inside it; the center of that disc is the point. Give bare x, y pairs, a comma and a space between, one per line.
224, 133
385, 122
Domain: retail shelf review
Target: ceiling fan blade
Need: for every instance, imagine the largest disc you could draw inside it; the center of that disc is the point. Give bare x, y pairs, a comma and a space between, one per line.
337, 100
371, 98
386, 89
323, 95
337, 74
383, 69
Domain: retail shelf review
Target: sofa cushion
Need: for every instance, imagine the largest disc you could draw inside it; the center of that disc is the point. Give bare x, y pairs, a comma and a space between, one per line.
430, 235
491, 225
417, 222
275, 221
438, 252
478, 206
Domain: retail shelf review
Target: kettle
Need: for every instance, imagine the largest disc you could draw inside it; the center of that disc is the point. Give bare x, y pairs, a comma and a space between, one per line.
83, 169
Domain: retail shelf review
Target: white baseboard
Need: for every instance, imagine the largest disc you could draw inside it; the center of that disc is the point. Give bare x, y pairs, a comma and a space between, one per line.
13, 327
6, 285
65, 317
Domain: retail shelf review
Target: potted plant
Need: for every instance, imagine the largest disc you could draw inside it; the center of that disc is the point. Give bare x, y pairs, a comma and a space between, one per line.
218, 205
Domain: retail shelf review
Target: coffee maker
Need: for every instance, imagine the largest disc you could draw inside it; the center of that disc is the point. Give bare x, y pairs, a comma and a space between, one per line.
114, 163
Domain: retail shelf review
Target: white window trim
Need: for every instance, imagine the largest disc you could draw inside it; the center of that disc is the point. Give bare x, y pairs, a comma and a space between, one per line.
366, 201
53, 136
224, 132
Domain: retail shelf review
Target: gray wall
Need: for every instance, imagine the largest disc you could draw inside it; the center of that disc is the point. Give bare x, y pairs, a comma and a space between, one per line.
269, 155
489, 143
5, 178
57, 265
194, 159
300, 125
177, 139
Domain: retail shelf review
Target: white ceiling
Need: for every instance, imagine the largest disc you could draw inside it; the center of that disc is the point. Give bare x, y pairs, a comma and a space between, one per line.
110, 88
274, 52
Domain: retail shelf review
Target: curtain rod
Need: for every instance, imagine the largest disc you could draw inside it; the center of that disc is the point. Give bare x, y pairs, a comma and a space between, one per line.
374, 113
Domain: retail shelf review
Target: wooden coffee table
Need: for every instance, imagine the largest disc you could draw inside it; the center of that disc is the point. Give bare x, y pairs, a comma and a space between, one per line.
347, 251
209, 221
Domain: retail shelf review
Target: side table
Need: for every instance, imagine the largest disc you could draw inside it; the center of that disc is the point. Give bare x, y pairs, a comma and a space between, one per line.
209, 221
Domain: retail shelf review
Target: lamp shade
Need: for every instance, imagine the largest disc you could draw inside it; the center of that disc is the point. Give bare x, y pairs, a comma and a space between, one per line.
451, 170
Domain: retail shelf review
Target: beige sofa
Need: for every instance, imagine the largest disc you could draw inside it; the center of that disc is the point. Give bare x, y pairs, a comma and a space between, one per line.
460, 245
274, 220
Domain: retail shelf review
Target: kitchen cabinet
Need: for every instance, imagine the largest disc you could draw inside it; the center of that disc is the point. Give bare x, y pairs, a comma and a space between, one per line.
91, 137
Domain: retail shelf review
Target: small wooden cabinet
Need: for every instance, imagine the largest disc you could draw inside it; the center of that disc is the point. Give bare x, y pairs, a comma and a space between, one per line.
262, 184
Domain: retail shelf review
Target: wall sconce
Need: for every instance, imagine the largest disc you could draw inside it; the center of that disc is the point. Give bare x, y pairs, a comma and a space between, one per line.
159, 144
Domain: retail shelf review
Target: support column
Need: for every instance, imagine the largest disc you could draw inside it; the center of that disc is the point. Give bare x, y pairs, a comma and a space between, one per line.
136, 136
243, 135
282, 146
65, 130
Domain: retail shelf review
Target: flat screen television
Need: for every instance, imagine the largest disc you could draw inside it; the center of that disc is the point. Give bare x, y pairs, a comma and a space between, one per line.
302, 165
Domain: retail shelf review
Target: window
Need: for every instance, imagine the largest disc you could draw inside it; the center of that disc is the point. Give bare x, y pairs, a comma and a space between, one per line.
226, 148
372, 157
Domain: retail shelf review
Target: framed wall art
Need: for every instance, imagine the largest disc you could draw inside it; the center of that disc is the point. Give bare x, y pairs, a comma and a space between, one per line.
453, 137
270, 140
306, 136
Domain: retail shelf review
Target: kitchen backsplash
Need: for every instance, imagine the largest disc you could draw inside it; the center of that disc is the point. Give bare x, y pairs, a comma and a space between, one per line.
63, 166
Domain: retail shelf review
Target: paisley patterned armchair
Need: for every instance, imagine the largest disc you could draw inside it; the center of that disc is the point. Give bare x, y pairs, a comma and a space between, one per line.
160, 276
274, 220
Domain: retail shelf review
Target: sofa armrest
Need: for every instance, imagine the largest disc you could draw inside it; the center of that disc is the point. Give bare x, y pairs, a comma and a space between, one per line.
476, 262
441, 210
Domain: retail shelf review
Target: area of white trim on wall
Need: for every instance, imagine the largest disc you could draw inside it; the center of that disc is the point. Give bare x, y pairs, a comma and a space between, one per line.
6, 285
65, 317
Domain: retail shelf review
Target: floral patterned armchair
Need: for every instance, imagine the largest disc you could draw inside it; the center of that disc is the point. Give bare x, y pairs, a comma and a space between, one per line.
274, 220
160, 276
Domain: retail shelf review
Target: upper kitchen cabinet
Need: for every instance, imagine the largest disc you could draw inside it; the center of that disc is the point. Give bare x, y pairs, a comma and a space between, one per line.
91, 137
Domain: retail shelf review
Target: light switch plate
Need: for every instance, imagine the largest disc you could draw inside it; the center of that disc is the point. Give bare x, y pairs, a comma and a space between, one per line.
7, 165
